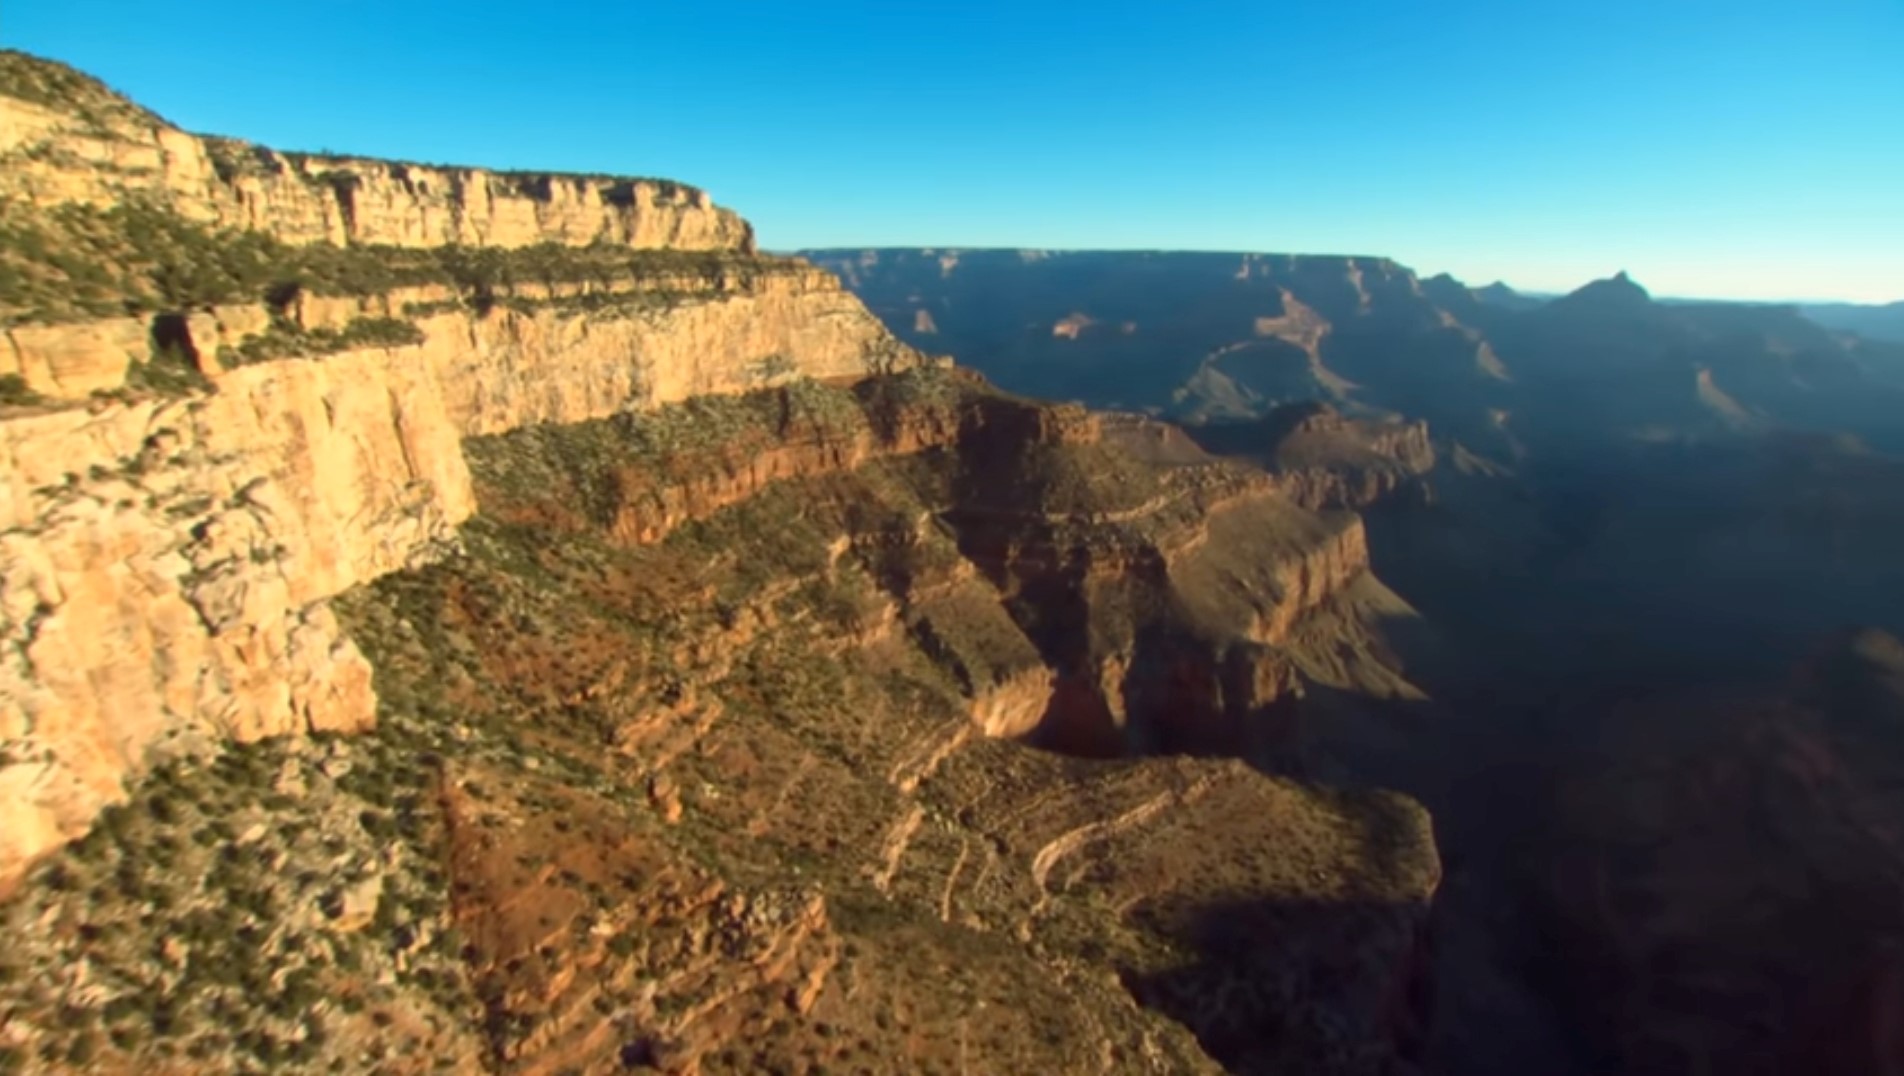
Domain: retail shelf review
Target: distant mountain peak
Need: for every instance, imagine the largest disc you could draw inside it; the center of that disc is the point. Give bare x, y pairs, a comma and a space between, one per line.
1617, 292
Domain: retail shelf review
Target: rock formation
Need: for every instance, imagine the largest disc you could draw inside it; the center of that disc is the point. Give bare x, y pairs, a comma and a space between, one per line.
68, 140
167, 558
1196, 337
781, 634
1323, 459
680, 618
1621, 513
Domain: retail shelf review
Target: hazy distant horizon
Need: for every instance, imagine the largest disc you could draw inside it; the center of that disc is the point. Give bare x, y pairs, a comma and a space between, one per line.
1423, 273
1732, 153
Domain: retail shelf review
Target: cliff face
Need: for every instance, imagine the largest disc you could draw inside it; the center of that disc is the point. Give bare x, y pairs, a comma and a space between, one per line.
1325, 460
168, 546
547, 355
66, 139
703, 718
167, 560
1181, 603
804, 617
680, 613
166, 565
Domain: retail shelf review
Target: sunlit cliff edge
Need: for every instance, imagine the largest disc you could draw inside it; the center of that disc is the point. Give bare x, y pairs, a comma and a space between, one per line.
178, 502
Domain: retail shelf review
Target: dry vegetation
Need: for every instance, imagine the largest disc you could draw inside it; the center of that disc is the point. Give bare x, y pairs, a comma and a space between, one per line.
78, 261
708, 800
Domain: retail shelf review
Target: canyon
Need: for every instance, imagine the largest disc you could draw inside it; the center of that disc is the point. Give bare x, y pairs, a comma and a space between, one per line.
481, 622
465, 620
1638, 530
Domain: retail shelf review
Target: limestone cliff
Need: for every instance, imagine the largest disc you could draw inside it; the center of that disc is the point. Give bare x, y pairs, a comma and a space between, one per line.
693, 649
65, 138
183, 491
166, 560
561, 353
164, 564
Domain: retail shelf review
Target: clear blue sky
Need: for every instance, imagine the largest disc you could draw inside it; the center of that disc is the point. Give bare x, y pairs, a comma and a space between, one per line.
1738, 149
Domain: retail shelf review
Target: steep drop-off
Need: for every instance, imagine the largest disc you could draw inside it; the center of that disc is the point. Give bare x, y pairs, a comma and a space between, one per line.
1717, 874
565, 655
689, 757
178, 501
1620, 509
67, 140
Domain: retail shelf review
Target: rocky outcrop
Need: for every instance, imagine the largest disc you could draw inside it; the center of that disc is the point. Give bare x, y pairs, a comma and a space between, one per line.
499, 373
164, 568
531, 361
1329, 461
167, 561
75, 361
1072, 549
167, 549
1298, 326
1166, 597
1001, 424
1324, 460
78, 142
1012, 707
650, 503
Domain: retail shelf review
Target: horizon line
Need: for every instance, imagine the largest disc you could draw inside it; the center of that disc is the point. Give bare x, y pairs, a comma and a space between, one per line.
1531, 292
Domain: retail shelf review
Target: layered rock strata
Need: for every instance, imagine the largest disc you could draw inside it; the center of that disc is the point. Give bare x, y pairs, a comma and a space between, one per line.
167, 560
66, 139
174, 514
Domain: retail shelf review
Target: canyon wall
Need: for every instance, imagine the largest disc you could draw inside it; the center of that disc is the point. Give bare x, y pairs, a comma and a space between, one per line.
67, 139
179, 504
676, 339
792, 617
164, 563
1329, 461
175, 511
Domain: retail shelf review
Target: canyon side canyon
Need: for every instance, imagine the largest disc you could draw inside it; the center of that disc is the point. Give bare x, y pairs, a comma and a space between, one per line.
477, 621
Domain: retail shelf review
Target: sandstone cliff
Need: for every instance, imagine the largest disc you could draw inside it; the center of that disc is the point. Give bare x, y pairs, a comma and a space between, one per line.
66, 139
177, 504
679, 653
701, 722
802, 618
167, 560
714, 694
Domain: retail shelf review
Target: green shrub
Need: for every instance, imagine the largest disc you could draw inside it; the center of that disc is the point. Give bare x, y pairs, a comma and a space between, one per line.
284, 340
13, 390
54, 85
169, 372
79, 261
